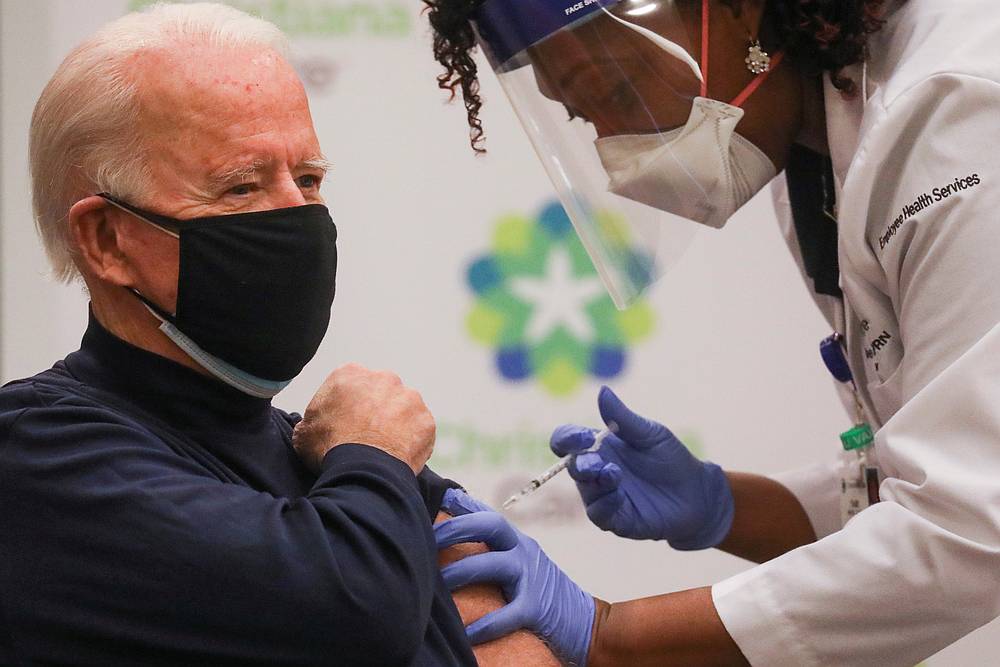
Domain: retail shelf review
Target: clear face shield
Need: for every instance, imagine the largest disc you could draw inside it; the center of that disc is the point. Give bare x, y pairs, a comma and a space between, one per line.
614, 97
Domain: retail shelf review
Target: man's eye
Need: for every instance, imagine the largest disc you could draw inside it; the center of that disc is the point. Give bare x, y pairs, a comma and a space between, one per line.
242, 189
309, 181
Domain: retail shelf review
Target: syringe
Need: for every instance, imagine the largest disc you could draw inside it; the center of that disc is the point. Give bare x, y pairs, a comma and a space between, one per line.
561, 465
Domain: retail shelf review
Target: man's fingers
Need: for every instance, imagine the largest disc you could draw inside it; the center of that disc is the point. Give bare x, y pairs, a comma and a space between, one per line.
488, 527
499, 623
570, 439
494, 567
637, 431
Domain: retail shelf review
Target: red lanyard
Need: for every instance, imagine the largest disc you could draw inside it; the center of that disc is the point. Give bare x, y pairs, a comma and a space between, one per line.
752, 87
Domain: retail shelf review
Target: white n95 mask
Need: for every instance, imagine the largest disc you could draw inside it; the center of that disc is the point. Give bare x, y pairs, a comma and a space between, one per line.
704, 171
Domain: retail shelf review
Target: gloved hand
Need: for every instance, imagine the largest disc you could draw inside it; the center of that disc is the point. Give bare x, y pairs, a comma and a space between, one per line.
541, 597
644, 483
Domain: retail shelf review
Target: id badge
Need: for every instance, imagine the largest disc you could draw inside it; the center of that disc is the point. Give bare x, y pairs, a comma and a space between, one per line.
859, 484
859, 477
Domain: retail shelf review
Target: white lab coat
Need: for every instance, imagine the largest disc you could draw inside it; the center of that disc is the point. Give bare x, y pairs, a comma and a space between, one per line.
920, 570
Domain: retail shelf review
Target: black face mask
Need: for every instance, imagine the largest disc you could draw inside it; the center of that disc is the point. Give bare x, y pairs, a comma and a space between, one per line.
254, 291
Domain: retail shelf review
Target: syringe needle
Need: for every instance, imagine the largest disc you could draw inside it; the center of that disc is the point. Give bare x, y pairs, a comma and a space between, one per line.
510, 501
551, 472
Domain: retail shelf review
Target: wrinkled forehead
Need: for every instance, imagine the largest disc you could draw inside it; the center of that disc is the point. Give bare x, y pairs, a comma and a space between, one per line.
209, 87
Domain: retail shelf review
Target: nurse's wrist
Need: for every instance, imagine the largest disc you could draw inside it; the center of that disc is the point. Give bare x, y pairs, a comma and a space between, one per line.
597, 653
768, 520
718, 525
614, 641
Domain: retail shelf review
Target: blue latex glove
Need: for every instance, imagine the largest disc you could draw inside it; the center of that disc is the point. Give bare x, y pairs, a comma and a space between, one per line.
644, 484
541, 597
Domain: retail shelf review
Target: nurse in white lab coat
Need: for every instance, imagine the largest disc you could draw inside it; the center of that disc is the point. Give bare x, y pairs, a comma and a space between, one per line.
916, 178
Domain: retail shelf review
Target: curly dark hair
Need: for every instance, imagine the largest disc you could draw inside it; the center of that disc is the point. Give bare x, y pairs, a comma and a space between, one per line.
820, 35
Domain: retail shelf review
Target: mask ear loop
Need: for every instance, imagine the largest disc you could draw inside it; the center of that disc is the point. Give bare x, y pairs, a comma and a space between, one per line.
159, 313
752, 87
664, 43
137, 214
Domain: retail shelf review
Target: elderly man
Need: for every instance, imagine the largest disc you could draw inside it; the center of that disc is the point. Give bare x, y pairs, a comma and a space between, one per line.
153, 506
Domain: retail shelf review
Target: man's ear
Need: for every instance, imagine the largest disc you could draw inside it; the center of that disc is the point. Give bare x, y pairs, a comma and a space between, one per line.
95, 227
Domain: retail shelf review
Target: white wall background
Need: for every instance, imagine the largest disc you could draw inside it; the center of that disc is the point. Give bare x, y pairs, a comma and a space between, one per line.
733, 360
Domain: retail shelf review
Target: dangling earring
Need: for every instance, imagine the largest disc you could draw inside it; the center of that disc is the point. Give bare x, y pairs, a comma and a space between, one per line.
758, 60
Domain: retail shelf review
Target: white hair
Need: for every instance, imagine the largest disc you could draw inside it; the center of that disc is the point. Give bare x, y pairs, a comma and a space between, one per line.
84, 131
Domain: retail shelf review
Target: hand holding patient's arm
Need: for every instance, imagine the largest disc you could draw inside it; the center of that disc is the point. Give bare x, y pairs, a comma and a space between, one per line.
541, 597
477, 600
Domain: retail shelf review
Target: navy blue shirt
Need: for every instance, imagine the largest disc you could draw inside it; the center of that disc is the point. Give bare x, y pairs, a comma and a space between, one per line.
151, 515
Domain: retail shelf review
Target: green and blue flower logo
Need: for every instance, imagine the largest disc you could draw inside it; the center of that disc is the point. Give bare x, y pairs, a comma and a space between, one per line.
541, 307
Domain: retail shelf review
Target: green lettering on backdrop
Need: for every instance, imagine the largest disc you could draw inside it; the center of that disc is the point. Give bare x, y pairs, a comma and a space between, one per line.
325, 18
463, 445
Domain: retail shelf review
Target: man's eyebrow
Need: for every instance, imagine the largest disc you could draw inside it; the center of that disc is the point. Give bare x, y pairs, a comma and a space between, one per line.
319, 162
244, 172
240, 173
